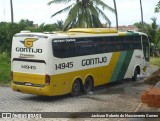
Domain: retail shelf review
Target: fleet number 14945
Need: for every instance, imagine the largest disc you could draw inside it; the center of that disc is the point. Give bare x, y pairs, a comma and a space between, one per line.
63, 65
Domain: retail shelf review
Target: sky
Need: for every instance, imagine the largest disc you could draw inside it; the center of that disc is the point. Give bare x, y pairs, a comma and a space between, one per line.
39, 12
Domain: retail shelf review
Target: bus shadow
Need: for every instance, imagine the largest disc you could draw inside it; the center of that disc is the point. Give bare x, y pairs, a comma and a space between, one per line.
46, 98
117, 87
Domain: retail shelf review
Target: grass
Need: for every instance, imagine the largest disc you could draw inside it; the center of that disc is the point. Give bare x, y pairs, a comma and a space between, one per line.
155, 77
5, 69
155, 61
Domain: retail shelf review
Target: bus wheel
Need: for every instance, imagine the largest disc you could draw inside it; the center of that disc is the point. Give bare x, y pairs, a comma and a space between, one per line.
76, 88
88, 85
134, 78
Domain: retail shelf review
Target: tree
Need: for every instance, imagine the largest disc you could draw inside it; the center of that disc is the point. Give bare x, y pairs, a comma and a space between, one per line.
157, 8
59, 25
12, 15
154, 34
158, 39
44, 28
26, 22
7, 31
83, 13
142, 27
153, 29
115, 7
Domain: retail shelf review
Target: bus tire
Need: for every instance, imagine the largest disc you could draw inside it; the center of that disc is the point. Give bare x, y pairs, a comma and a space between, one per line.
134, 78
88, 85
76, 87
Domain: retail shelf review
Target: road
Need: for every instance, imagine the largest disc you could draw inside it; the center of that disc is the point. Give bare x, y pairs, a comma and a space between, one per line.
123, 96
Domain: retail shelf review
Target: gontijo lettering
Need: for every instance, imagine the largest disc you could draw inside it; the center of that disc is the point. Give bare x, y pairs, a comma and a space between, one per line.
94, 61
28, 50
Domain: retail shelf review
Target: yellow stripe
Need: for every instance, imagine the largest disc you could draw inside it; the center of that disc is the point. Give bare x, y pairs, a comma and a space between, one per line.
122, 34
114, 61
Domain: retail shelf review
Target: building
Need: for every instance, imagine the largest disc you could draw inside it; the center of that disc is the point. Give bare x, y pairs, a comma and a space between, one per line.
129, 27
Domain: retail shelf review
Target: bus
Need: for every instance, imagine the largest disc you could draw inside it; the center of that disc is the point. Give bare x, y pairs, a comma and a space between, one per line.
75, 61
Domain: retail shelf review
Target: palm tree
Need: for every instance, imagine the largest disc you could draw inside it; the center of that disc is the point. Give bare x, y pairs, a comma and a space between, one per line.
157, 8
153, 31
59, 24
83, 13
116, 13
154, 34
11, 4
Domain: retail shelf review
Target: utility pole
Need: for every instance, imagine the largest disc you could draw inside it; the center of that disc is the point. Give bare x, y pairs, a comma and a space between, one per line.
142, 15
115, 8
4, 14
12, 19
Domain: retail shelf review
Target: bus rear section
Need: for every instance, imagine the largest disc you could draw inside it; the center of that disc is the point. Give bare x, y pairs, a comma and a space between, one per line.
28, 64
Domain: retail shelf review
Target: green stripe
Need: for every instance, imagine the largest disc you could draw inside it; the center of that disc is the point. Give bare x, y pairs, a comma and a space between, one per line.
125, 64
118, 66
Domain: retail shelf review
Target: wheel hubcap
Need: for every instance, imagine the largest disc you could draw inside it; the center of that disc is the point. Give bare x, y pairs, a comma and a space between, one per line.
76, 87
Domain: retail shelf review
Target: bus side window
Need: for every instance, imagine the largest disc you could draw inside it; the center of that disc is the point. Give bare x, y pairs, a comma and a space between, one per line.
132, 42
107, 45
82, 47
137, 42
63, 49
97, 48
128, 43
88, 46
59, 49
146, 49
70, 49
117, 44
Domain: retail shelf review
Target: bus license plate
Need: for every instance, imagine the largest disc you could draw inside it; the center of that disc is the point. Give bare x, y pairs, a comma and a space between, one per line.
28, 84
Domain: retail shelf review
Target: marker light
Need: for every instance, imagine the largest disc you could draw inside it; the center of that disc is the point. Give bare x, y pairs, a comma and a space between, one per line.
47, 80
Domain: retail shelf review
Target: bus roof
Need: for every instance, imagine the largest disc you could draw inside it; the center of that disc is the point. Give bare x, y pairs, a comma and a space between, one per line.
82, 32
94, 30
100, 32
